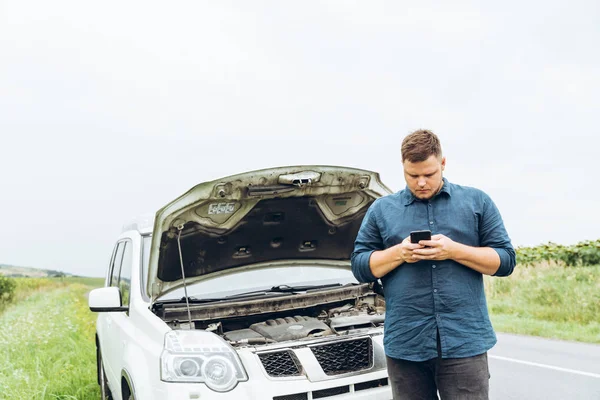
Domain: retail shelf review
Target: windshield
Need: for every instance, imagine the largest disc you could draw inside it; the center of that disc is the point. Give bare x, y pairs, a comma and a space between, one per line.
244, 281
266, 278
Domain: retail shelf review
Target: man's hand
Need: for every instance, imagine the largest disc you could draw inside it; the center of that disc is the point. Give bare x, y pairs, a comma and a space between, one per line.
440, 247
384, 261
407, 250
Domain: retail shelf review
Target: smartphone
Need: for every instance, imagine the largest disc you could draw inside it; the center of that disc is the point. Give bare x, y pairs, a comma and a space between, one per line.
416, 236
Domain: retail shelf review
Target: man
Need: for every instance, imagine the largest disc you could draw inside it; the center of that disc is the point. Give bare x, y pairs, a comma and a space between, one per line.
437, 328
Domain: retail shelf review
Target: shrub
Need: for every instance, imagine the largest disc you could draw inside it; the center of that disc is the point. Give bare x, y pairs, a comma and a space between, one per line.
7, 290
585, 253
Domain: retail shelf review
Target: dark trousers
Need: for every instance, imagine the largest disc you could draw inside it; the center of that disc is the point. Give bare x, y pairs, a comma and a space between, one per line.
454, 378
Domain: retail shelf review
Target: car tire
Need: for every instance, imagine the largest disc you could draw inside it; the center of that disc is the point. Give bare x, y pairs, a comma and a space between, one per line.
105, 393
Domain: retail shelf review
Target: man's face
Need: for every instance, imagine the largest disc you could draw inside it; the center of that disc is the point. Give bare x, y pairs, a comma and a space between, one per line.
424, 179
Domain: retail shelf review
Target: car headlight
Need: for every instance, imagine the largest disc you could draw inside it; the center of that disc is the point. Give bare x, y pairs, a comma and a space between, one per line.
200, 356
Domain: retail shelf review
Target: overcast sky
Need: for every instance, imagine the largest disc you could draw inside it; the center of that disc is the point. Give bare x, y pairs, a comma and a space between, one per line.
111, 109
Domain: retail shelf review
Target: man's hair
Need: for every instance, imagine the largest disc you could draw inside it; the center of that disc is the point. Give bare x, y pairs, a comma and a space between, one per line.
420, 145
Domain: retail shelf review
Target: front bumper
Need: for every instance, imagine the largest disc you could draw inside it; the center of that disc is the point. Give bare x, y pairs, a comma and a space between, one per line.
313, 383
362, 388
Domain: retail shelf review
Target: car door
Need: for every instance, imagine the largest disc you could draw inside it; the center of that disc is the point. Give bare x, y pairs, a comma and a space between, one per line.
105, 319
120, 325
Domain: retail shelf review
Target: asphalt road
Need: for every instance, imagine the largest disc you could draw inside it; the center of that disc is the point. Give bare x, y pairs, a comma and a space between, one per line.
531, 368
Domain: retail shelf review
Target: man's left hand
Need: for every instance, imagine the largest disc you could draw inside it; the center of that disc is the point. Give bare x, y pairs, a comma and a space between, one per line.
440, 247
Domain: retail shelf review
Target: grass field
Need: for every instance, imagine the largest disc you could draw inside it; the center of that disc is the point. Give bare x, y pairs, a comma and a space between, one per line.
547, 300
47, 348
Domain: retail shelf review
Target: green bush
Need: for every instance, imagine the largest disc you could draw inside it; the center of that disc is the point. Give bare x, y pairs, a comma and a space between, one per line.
584, 253
7, 290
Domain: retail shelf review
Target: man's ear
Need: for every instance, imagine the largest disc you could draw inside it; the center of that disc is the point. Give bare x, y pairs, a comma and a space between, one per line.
443, 163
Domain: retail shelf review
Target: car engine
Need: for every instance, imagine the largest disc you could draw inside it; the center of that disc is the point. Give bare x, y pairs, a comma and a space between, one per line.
344, 311
342, 320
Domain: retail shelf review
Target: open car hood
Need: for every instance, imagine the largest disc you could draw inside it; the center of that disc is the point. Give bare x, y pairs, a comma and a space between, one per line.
287, 213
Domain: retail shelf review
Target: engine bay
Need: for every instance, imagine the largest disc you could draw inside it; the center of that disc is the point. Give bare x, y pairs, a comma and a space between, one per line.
341, 320
345, 311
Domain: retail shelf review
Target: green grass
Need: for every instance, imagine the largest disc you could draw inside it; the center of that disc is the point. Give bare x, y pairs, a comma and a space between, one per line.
547, 300
47, 348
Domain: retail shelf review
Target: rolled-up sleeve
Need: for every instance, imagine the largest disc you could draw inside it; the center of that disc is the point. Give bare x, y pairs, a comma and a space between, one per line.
493, 234
367, 241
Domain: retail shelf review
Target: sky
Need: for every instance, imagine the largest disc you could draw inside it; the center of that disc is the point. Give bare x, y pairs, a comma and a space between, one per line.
111, 109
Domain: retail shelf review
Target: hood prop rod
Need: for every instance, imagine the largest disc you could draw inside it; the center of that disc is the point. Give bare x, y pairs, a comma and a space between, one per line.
187, 302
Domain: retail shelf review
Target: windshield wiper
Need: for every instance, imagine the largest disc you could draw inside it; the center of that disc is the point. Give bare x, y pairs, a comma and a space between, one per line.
278, 290
288, 289
194, 300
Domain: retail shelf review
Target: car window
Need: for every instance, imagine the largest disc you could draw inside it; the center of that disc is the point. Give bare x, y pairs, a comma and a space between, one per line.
110, 266
124, 282
116, 265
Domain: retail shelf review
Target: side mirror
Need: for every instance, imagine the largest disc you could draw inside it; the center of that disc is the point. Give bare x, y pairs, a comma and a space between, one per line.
106, 299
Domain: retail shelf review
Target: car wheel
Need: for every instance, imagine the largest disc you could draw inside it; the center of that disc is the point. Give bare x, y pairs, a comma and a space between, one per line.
104, 390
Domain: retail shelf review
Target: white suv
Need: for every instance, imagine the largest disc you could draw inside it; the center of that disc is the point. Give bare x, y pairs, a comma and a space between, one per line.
242, 289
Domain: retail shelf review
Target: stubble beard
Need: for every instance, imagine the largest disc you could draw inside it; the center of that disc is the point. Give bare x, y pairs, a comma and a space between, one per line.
434, 193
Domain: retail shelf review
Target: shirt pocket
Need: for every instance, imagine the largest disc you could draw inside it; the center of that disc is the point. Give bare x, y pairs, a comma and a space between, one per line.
463, 224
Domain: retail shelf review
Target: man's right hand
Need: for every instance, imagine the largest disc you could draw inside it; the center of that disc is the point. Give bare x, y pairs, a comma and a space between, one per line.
406, 248
384, 261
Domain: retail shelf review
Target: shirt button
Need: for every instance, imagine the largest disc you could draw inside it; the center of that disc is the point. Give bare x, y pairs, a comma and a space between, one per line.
434, 290
430, 222
433, 266
429, 204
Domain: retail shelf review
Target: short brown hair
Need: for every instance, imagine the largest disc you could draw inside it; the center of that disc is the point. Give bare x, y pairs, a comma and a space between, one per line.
420, 145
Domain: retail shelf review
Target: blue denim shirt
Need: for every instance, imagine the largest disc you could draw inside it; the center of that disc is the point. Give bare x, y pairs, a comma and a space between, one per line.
427, 296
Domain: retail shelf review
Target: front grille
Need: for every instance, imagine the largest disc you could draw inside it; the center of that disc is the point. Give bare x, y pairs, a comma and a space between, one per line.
281, 363
297, 396
370, 384
319, 394
342, 357
324, 393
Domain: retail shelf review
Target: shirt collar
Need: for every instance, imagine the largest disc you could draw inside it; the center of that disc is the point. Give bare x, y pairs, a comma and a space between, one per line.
408, 198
